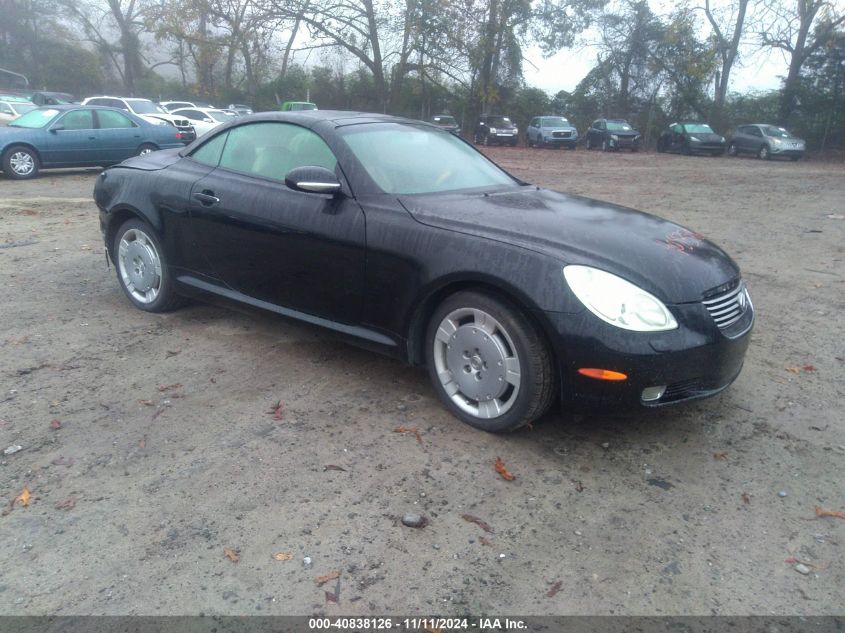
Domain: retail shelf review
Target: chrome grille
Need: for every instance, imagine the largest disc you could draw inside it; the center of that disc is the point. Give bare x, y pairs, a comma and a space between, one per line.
728, 308
561, 134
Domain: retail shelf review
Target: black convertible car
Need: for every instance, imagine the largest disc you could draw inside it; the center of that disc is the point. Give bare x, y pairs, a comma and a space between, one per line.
406, 239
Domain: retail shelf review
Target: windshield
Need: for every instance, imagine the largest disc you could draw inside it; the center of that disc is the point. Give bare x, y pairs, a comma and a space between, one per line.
444, 120
500, 121
405, 159
35, 118
219, 115
777, 132
554, 121
620, 126
142, 106
698, 128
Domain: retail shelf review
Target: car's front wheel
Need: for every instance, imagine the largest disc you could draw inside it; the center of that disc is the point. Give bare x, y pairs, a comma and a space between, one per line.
21, 162
142, 269
488, 363
764, 153
732, 149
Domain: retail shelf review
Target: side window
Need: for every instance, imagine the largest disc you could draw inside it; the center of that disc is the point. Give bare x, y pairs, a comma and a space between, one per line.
602, 125
755, 131
535, 122
271, 150
209, 152
5, 109
194, 115
678, 128
109, 119
78, 120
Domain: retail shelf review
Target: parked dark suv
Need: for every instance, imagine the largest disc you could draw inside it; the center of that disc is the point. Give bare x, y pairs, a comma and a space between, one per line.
766, 141
691, 137
495, 129
613, 134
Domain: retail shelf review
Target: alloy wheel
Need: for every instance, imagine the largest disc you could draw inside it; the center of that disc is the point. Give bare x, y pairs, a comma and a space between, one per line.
22, 163
140, 265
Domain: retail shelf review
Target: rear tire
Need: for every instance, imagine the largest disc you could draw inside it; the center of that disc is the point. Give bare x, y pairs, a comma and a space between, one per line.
146, 148
489, 365
142, 269
21, 163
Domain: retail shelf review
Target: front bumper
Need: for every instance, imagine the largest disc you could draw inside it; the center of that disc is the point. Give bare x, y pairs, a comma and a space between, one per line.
707, 148
625, 142
787, 151
561, 140
696, 360
503, 137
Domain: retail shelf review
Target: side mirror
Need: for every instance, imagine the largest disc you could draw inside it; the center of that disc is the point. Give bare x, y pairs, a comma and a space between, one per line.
56, 128
313, 179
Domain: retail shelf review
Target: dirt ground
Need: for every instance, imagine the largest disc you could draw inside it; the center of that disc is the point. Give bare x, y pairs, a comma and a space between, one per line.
166, 454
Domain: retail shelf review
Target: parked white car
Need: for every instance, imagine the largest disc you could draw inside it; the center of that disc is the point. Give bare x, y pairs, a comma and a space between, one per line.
170, 106
204, 119
148, 111
11, 110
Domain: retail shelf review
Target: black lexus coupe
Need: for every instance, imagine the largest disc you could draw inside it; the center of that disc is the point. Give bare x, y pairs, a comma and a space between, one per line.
406, 239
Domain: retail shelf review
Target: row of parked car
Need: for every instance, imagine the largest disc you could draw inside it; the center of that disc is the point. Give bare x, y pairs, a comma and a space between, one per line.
686, 137
99, 131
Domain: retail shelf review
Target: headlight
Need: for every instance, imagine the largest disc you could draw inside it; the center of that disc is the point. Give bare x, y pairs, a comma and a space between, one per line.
721, 139
776, 141
516, 130
695, 139
492, 130
614, 137
618, 302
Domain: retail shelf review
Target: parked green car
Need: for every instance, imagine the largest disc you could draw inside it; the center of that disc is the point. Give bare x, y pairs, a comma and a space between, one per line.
289, 106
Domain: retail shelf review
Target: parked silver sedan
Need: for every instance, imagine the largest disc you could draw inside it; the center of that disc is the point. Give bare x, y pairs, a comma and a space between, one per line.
766, 142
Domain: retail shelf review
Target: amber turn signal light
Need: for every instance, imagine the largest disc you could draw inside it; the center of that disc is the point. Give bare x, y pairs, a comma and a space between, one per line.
602, 374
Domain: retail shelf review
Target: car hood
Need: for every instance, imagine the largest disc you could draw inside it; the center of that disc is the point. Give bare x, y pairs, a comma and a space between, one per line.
570, 128
172, 118
673, 263
624, 132
706, 137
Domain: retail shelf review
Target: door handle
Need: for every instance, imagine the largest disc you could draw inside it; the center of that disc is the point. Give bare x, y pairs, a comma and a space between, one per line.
207, 198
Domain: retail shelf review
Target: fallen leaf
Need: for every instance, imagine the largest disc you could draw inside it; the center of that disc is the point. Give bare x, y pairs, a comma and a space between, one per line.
231, 554
67, 504
720, 457
819, 513
473, 519
554, 589
63, 461
146, 403
809, 368
500, 468
794, 370
409, 429
333, 467
276, 411
86, 247
322, 580
55, 425
142, 443
579, 487
331, 597
282, 556
172, 352
175, 385
746, 498
23, 497
791, 560
484, 541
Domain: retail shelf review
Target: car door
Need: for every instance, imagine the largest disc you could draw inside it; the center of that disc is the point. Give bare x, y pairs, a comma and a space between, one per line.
757, 140
533, 131
120, 136
303, 251
678, 139
73, 140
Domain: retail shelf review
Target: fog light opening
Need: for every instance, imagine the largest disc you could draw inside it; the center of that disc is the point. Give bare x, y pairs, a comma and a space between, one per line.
651, 394
602, 374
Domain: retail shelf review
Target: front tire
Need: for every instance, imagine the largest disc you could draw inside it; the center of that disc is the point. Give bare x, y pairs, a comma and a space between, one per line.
764, 153
732, 149
142, 269
488, 363
21, 162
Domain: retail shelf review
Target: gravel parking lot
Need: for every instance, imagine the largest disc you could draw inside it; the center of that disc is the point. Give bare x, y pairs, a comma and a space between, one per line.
150, 447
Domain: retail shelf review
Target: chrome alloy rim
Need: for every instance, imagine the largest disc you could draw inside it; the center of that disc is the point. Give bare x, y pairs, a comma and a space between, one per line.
140, 266
146, 150
477, 363
22, 163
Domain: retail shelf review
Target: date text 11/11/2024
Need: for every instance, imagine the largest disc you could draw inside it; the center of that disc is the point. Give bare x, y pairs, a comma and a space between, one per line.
432, 625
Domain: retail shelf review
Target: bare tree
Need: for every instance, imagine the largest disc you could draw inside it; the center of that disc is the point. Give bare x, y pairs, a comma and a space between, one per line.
727, 34
799, 29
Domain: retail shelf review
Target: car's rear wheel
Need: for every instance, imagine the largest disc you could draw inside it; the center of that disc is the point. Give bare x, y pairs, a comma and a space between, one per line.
732, 149
21, 162
764, 153
147, 148
488, 363
142, 269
